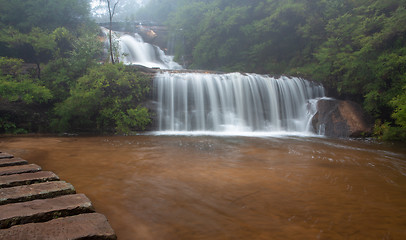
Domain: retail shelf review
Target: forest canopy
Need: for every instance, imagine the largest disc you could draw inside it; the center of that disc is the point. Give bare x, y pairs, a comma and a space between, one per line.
52, 76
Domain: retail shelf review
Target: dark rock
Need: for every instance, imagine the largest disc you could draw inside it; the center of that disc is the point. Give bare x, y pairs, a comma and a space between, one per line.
335, 118
43, 210
27, 178
35, 191
7, 162
19, 169
84, 226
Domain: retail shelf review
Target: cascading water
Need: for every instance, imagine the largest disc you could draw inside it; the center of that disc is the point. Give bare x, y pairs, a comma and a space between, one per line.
231, 103
234, 103
134, 51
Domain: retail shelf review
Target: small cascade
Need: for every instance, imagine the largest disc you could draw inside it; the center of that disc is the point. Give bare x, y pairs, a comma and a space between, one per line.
234, 103
134, 51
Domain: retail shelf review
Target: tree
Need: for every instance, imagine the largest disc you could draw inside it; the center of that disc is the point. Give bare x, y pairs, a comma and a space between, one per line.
16, 86
111, 7
106, 99
26, 14
37, 46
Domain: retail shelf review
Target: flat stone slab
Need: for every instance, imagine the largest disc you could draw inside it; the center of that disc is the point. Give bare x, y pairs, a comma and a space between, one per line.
6, 162
43, 210
84, 226
19, 169
27, 178
5, 155
35, 191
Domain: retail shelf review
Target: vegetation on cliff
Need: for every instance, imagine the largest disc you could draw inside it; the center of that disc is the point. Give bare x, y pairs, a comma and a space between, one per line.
355, 48
64, 88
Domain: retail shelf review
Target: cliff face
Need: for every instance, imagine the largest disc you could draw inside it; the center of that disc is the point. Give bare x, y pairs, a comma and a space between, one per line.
337, 118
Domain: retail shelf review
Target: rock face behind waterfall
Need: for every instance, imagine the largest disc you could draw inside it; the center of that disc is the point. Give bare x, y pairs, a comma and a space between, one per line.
337, 118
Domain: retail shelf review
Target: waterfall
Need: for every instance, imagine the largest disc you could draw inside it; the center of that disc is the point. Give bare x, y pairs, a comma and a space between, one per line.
234, 103
231, 103
134, 51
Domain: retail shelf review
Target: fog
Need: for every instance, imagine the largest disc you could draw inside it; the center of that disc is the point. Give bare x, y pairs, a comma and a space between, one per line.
126, 9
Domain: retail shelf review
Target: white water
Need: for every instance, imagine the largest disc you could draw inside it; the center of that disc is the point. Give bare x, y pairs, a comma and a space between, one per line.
231, 104
234, 104
134, 51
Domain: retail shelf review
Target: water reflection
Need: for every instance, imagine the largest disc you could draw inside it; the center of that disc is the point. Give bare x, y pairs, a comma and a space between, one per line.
165, 187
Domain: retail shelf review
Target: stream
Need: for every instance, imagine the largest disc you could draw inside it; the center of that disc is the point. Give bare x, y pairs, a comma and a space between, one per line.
232, 187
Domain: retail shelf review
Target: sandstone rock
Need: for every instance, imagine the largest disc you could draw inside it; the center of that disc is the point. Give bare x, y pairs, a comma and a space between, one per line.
19, 169
335, 118
5, 155
43, 210
84, 226
6, 162
35, 191
27, 178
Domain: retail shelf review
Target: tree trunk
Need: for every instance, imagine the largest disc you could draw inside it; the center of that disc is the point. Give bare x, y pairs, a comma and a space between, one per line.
111, 14
38, 70
111, 44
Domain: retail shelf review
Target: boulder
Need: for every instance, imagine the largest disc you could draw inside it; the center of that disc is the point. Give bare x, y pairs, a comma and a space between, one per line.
336, 118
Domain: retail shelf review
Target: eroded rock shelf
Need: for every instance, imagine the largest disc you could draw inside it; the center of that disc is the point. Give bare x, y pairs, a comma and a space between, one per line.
36, 204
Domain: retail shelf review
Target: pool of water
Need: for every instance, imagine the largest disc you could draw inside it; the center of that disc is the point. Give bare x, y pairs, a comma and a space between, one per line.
213, 187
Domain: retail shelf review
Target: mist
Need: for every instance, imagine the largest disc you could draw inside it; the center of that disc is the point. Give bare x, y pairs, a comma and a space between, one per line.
126, 10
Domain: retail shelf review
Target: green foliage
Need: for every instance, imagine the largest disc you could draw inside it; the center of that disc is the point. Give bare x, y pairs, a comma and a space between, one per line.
103, 100
399, 103
9, 127
49, 15
60, 75
137, 118
38, 31
384, 131
17, 86
59, 39
36, 46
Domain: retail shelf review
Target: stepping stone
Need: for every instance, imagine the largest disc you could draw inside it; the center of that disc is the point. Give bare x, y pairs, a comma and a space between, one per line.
84, 226
19, 169
35, 191
6, 162
5, 155
27, 178
43, 210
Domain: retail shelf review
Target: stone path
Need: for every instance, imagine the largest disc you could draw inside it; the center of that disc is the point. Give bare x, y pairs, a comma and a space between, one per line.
36, 204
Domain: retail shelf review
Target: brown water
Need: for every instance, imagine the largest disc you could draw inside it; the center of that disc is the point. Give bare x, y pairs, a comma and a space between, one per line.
161, 187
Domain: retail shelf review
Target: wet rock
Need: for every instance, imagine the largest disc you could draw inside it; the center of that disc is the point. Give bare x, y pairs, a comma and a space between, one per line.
335, 118
5, 155
27, 178
35, 191
43, 210
19, 169
84, 226
6, 162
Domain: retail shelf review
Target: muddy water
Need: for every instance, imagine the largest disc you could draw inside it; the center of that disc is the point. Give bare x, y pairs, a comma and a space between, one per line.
161, 187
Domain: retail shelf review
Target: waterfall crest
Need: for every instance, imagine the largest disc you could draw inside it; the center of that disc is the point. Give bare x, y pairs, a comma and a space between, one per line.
234, 103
